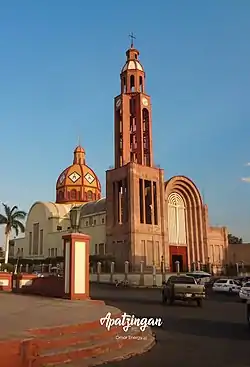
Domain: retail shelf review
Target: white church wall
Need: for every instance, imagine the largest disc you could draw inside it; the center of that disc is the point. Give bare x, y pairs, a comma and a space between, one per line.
20, 246
59, 224
53, 245
51, 227
94, 225
45, 225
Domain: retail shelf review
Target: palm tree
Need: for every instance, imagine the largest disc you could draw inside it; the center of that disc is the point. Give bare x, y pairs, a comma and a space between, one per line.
12, 221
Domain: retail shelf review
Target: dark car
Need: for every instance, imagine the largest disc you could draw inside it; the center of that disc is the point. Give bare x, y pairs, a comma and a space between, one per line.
248, 313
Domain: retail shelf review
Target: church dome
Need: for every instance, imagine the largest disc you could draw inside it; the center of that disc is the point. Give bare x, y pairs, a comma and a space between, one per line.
78, 183
132, 65
132, 62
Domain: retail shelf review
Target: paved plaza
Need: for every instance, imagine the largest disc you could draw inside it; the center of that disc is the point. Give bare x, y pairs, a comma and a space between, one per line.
216, 335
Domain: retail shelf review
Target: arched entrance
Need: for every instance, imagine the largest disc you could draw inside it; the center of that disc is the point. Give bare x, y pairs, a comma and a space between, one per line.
177, 232
186, 230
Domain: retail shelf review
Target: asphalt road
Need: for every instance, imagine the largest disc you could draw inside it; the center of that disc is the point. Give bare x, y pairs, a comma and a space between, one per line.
215, 335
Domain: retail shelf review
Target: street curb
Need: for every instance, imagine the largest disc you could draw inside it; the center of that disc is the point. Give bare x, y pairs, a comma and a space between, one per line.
128, 286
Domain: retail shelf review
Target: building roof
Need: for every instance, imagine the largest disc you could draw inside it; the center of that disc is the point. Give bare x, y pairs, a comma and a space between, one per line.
93, 207
54, 210
132, 65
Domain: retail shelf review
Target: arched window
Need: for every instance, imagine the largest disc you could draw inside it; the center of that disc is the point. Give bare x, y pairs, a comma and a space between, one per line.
132, 83
73, 194
141, 83
89, 195
124, 85
176, 219
145, 118
146, 137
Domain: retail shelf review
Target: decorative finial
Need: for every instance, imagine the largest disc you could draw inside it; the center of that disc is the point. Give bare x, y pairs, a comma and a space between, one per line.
132, 38
79, 141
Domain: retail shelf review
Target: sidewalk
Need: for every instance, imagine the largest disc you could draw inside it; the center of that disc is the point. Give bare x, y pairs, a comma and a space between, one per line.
40, 332
20, 313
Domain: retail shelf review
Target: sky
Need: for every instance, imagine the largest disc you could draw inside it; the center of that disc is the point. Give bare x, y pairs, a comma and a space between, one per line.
59, 72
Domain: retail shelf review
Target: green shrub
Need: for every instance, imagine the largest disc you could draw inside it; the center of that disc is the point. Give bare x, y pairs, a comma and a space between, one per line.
8, 267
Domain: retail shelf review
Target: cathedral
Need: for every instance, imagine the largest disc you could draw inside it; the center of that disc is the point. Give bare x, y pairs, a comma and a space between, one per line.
144, 216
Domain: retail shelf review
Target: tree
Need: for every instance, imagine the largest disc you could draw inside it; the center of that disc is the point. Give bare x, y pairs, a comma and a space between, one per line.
12, 219
233, 239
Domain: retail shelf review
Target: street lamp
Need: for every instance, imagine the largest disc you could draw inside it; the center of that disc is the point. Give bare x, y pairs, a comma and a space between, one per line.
74, 215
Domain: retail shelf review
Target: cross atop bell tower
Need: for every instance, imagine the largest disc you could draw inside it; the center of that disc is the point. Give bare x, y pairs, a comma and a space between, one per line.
132, 38
133, 126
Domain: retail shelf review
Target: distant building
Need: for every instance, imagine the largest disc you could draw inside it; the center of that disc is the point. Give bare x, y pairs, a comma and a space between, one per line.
144, 217
239, 253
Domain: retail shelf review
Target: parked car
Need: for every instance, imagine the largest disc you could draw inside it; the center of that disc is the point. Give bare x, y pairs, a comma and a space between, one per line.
201, 276
245, 292
226, 285
243, 280
38, 274
182, 288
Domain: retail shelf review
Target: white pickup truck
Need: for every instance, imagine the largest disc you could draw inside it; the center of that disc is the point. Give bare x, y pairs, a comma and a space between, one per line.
182, 288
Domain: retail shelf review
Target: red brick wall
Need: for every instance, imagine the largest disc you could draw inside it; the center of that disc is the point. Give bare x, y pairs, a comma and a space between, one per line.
48, 287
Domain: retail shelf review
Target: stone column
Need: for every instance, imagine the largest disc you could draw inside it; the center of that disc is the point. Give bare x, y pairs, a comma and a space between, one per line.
163, 269
177, 263
99, 270
112, 270
199, 265
237, 268
141, 281
76, 268
194, 266
126, 268
154, 276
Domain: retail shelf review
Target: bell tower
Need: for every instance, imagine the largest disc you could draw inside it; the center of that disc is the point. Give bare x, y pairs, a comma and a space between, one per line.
133, 125
135, 187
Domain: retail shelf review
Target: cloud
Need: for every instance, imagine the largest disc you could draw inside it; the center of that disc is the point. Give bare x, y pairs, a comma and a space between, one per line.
247, 164
245, 179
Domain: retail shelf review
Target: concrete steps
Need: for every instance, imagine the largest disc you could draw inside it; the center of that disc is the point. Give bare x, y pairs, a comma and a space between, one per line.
75, 345
89, 344
109, 349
